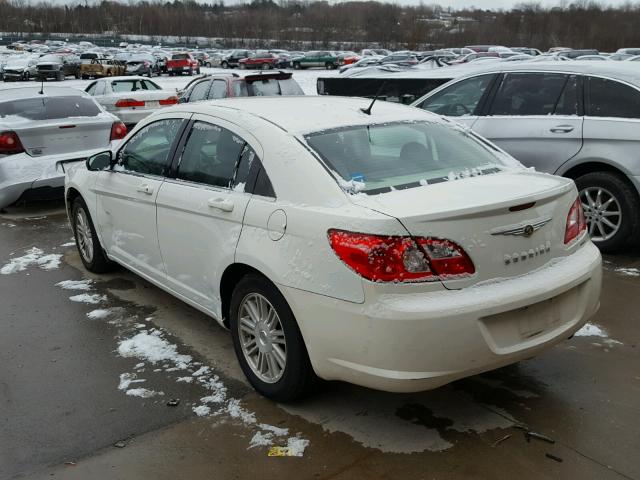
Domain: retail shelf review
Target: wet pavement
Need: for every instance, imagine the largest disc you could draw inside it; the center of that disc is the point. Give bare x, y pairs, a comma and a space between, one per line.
64, 415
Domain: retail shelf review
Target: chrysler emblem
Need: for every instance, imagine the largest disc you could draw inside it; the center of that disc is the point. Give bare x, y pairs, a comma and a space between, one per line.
526, 229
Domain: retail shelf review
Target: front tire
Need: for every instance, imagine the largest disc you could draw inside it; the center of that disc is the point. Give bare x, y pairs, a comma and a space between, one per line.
611, 207
87, 242
224, 65
268, 342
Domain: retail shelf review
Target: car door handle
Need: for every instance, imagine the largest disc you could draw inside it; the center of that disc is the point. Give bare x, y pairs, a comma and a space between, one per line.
562, 129
221, 204
144, 188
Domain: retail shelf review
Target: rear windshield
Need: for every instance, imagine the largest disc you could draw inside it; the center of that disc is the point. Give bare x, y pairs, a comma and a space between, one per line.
179, 56
272, 86
133, 85
49, 108
403, 155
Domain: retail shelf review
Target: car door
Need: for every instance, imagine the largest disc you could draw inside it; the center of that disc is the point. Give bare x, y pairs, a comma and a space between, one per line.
462, 101
536, 117
201, 208
126, 196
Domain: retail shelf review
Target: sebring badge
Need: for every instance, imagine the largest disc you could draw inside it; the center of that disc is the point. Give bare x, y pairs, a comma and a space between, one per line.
525, 229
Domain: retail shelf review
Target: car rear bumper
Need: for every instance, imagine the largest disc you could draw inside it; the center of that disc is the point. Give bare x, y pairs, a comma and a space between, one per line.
21, 173
414, 342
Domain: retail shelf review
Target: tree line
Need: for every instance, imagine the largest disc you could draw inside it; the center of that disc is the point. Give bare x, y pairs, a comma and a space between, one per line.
318, 24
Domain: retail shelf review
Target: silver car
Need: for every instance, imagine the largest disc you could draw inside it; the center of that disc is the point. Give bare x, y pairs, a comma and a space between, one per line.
576, 119
41, 126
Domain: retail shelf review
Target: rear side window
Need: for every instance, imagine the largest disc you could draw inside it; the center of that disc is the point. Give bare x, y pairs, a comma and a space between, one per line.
608, 98
402, 155
528, 94
459, 99
200, 91
218, 89
210, 155
49, 108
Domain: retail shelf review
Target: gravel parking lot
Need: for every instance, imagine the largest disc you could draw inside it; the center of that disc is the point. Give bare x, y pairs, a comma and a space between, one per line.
71, 344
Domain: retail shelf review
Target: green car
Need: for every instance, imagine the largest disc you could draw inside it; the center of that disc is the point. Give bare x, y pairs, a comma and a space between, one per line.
324, 59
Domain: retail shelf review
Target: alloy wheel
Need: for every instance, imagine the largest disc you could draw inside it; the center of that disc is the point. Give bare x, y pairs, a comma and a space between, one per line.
262, 338
602, 212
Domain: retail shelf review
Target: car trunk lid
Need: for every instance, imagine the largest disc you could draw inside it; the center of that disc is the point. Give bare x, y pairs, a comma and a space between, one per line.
509, 223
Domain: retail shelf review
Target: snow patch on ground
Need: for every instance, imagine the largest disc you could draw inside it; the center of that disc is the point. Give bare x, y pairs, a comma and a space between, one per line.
630, 272
201, 371
127, 379
90, 298
297, 446
98, 314
150, 346
201, 410
33, 256
69, 244
83, 285
591, 330
143, 393
261, 440
235, 410
184, 379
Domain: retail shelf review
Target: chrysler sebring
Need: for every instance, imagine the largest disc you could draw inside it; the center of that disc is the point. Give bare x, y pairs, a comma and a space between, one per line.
386, 247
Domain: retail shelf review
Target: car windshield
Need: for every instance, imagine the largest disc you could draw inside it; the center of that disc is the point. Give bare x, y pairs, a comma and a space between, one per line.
133, 85
49, 108
403, 155
50, 58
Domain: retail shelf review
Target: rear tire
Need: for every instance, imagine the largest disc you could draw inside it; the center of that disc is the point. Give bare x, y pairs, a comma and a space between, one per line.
296, 377
224, 65
297, 66
91, 252
625, 201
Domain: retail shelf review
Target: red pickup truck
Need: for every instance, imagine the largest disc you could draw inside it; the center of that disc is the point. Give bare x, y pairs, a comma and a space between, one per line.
182, 63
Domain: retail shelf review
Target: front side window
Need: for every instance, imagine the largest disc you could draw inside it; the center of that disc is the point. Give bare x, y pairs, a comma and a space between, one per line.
528, 94
459, 99
608, 98
147, 152
210, 155
403, 155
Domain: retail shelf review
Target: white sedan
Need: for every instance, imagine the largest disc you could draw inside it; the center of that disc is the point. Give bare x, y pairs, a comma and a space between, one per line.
393, 250
131, 98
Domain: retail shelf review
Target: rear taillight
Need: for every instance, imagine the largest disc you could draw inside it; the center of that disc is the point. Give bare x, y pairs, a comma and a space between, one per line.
382, 258
10, 143
129, 102
118, 131
576, 223
169, 101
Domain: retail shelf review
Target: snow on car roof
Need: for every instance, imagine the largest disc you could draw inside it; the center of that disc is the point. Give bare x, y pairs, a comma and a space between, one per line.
27, 92
306, 113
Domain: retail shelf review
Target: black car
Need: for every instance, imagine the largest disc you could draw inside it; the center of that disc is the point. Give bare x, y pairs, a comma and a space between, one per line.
57, 67
233, 59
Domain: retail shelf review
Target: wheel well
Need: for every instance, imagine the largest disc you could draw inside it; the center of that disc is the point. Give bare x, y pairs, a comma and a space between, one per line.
72, 194
590, 167
230, 278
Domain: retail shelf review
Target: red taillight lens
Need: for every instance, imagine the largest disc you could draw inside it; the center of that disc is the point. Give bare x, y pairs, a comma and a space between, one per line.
10, 143
576, 223
129, 102
169, 101
382, 258
118, 131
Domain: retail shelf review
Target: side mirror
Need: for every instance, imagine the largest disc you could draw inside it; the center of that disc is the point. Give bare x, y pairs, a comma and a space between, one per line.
182, 99
100, 161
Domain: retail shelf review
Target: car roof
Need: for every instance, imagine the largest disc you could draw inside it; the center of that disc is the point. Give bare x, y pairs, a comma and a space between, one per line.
28, 92
305, 113
618, 70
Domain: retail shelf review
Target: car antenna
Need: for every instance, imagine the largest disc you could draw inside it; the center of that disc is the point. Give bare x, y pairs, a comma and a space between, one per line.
368, 109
